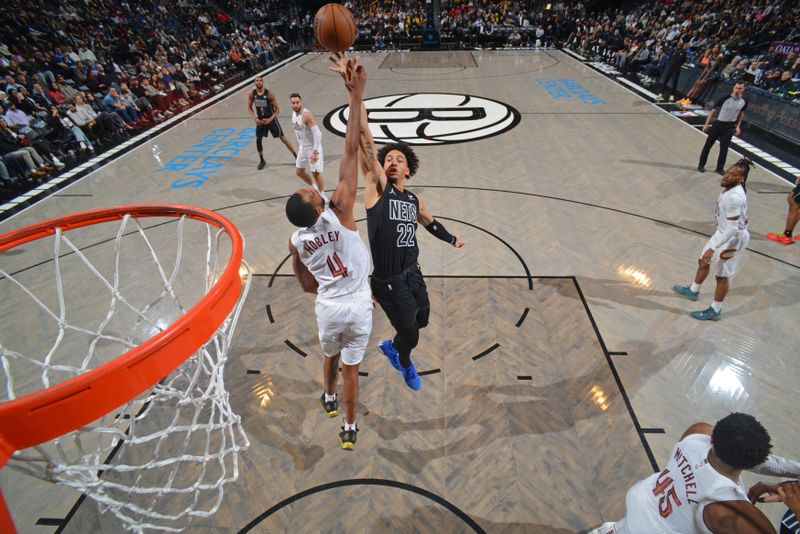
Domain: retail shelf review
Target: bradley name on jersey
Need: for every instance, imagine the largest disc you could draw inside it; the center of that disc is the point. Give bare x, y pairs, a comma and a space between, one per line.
322, 239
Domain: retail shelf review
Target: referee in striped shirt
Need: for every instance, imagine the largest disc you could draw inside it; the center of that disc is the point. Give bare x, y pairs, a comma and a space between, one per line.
729, 121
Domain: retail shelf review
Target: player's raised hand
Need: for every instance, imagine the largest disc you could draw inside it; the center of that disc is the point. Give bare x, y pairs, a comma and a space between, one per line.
340, 61
353, 74
458, 243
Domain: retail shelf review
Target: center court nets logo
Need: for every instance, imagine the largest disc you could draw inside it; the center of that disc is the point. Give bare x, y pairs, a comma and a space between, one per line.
430, 118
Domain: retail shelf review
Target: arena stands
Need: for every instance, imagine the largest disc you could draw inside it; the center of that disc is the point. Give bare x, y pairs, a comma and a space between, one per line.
80, 77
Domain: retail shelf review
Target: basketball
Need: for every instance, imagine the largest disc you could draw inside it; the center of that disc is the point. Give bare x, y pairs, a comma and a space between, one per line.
335, 27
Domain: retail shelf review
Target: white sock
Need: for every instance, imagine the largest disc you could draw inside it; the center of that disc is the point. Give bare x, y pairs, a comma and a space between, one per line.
695, 287
330, 398
717, 306
349, 426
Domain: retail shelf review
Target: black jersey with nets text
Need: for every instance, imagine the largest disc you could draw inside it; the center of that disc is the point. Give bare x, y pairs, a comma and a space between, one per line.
392, 229
263, 105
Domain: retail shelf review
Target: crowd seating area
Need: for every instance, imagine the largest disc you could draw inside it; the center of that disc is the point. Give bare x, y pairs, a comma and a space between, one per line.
725, 39
80, 77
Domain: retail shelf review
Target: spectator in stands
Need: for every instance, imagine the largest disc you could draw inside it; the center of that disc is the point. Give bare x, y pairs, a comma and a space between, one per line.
56, 95
677, 57
86, 119
21, 146
40, 97
63, 128
654, 69
113, 104
785, 86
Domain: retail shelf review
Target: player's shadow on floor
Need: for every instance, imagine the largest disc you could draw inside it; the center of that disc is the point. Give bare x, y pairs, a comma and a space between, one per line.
439, 516
660, 164
547, 409
624, 293
273, 408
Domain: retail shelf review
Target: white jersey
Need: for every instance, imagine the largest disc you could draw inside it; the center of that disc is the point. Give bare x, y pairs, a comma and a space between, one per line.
731, 203
336, 256
673, 500
305, 137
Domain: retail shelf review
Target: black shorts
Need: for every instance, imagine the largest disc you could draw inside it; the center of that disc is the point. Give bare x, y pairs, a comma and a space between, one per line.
796, 194
402, 297
273, 128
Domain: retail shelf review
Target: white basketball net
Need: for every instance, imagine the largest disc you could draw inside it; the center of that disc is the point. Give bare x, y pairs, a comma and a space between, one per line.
165, 456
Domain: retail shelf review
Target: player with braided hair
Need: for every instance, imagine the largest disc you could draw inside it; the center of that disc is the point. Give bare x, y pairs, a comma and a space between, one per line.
726, 247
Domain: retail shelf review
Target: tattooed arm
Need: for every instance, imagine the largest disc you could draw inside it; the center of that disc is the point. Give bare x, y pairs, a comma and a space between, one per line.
374, 177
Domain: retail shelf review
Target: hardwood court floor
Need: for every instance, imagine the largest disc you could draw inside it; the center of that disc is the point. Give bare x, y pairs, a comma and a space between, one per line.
599, 203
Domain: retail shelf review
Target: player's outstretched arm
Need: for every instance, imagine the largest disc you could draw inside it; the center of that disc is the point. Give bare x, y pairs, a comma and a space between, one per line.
425, 218
374, 178
301, 272
355, 78
311, 122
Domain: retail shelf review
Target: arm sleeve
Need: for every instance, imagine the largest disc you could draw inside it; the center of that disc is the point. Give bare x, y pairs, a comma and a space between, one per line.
317, 137
437, 229
778, 467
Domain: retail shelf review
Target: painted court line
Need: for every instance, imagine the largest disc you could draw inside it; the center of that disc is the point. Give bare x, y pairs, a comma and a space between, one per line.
637, 87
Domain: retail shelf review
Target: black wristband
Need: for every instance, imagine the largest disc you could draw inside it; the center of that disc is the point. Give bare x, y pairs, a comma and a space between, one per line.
438, 230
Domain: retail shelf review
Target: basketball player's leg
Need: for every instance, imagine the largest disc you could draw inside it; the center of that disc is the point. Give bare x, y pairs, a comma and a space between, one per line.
401, 309
302, 164
330, 341
318, 180
354, 345
330, 373
728, 258
726, 268
792, 218
303, 174
420, 292
692, 291
261, 132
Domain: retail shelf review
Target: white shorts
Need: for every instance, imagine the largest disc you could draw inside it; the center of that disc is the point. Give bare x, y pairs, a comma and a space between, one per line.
304, 159
729, 255
344, 325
